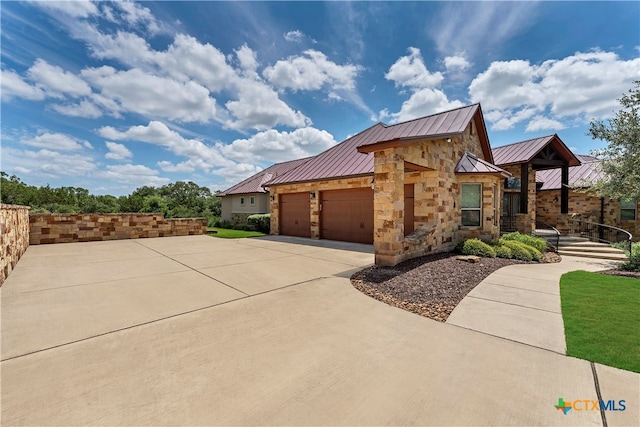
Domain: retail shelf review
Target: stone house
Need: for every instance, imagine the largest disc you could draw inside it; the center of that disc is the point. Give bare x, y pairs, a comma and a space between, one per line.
249, 197
421, 186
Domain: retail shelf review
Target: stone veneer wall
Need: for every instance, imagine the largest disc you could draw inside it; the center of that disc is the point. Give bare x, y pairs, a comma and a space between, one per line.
14, 237
587, 207
526, 223
66, 228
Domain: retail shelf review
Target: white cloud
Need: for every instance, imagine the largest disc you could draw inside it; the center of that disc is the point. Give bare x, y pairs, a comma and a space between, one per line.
55, 141
539, 123
422, 103
76, 8
84, 109
508, 120
582, 86
248, 61
277, 146
48, 163
56, 82
311, 72
117, 151
132, 174
153, 96
294, 36
136, 15
14, 87
456, 63
410, 71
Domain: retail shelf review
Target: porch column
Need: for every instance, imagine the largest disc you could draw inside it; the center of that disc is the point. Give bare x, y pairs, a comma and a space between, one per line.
524, 188
564, 190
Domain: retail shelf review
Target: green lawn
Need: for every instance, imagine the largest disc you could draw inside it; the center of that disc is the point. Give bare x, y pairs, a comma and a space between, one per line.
601, 316
226, 233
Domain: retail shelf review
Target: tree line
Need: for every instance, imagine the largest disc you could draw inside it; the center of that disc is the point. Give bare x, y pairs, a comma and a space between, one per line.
175, 200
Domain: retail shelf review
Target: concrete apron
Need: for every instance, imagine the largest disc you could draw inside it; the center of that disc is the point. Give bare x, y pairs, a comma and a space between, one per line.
315, 352
522, 303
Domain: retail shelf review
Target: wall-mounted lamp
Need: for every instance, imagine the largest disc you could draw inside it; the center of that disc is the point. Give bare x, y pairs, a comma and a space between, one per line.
555, 199
373, 183
449, 140
272, 197
312, 194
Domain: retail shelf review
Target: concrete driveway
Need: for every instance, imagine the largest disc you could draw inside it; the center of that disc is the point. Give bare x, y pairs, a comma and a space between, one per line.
204, 331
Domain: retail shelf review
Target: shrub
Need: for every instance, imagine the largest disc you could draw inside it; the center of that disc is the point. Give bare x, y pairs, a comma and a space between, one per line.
535, 242
521, 251
238, 227
503, 251
633, 264
261, 222
477, 247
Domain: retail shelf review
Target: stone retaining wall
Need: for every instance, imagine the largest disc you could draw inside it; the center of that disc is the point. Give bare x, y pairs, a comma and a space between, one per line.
67, 228
14, 237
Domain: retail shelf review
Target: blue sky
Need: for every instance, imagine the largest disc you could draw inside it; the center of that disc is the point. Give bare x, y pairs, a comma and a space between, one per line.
111, 96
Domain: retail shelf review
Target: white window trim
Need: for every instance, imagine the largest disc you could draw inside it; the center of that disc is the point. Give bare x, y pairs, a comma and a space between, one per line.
242, 201
471, 209
252, 200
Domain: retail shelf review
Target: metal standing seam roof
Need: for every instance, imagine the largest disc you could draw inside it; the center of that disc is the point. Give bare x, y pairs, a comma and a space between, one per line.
524, 151
579, 176
254, 184
345, 160
469, 163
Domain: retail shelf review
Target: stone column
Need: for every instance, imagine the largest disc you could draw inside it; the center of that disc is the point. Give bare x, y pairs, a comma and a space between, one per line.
388, 205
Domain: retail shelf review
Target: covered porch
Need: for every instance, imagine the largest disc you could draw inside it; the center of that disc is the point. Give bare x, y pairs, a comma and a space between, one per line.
522, 160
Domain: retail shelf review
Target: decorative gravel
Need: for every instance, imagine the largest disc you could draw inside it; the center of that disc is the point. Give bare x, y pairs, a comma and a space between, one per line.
631, 274
432, 285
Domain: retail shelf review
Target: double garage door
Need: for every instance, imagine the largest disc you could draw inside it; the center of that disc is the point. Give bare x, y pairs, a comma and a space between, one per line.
345, 215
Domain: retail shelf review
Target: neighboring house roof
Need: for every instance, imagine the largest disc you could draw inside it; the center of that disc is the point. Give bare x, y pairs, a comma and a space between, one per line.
340, 160
254, 184
354, 156
579, 176
469, 163
449, 123
525, 151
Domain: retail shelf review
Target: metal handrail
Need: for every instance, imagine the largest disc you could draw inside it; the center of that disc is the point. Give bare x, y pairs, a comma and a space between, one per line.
553, 234
596, 232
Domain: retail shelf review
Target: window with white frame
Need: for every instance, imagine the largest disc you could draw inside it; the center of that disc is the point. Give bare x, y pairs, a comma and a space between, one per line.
471, 205
252, 200
241, 201
628, 210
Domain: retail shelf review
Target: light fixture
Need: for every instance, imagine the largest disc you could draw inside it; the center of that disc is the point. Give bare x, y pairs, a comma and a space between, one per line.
312, 194
449, 140
272, 197
373, 183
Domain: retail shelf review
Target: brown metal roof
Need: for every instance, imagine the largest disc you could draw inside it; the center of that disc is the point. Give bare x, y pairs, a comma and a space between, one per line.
340, 160
470, 163
254, 184
440, 125
579, 176
525, 151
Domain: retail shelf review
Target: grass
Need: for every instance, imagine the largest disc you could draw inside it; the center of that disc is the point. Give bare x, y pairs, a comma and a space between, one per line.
226, 233
601, 318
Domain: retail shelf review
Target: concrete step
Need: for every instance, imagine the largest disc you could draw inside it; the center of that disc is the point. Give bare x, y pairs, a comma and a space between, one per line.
598, 255
590, 248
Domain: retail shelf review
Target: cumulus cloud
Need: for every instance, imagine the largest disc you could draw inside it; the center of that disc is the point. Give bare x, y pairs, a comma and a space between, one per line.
48, 163
13, 86
133, 174
277, 146
117, 151
55, 141
56, 82
583, 85
422, 103
76, 9
294, 36
84, 109
311, 71
410, 71
456, 63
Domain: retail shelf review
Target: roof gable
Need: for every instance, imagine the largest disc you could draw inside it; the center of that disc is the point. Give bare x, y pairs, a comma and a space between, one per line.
579, 176
527, 151
469, 163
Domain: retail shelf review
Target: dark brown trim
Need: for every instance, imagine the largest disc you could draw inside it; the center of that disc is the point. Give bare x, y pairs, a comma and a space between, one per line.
401, 142
524, 188
416, 168
361, 175
564, 190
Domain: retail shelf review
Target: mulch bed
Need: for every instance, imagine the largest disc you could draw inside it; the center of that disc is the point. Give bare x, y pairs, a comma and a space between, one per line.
432, 285
631, 274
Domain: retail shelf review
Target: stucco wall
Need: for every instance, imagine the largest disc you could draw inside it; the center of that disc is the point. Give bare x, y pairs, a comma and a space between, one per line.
14, 237
236, 213
587, 207
66, 228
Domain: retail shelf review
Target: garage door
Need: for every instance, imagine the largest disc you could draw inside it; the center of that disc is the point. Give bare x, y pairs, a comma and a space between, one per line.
347, 215
295, 215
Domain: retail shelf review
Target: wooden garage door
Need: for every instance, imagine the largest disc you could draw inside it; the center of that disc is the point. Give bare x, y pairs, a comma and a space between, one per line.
295, 215
347, 215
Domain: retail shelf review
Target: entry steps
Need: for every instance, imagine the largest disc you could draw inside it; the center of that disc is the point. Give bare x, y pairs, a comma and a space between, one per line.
579, 246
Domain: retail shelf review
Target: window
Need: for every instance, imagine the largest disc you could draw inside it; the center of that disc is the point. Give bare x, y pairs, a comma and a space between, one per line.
253, 201
628, 210
471, 204
241, 201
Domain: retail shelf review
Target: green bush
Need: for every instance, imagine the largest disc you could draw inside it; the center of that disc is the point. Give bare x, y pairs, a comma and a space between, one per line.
521, 251
261, 222
477, 247
633, 264
535, 242
503, 251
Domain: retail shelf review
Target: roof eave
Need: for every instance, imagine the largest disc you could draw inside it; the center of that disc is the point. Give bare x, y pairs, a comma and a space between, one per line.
359, 175
399, 142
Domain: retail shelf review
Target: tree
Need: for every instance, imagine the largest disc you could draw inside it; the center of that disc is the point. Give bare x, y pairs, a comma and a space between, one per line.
620, 161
